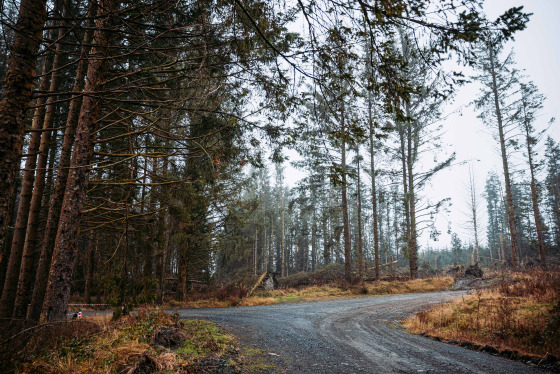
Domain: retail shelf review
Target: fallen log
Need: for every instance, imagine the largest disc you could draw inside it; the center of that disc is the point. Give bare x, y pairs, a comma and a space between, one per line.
258, 283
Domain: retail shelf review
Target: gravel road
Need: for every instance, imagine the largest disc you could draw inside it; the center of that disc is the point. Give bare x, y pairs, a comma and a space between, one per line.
351, 336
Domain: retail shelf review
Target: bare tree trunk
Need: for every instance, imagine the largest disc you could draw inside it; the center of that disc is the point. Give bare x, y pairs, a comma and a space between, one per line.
509, 195
406, 195
28, 258
534, 198
163, 235
413, 245
15, 100
90, 258
474, 205
65, 249
345, 221
57, 197
360, 243
149, 258
255, 252
373, 189
284, 273
183, 273
314, 244
11, 277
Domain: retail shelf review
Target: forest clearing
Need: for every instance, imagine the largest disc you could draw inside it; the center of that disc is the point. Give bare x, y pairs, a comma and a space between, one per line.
193, 154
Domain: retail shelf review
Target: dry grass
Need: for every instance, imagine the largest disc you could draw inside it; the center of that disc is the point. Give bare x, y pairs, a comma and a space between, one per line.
342, 290
313, 293
132, 343
522, 313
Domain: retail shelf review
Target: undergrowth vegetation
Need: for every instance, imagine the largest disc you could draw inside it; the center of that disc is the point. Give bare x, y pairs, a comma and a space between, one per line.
140, 343
521, 315
236, 294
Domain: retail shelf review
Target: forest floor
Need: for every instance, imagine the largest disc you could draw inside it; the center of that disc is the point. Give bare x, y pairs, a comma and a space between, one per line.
144, 342
517, 317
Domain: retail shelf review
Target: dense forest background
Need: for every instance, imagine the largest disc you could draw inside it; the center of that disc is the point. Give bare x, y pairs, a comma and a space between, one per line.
143, 144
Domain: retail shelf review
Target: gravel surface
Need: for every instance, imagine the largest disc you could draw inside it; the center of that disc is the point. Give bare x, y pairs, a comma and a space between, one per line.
359, 335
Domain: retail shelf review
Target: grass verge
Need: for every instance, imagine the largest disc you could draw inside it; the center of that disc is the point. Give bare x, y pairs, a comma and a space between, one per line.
314, 293
520, 316
145, 342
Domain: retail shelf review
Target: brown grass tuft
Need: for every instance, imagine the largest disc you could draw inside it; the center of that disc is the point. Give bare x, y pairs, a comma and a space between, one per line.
166, 361
522, 313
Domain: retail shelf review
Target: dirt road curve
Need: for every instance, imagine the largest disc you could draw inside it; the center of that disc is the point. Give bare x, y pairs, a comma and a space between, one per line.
352, 336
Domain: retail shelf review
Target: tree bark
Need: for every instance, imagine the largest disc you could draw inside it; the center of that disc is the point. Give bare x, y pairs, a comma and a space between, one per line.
345, 221
10, 283
412, 242
373, 189
57, 197
406, 204
90, 258
360, 243
65, 249
284, 272
534, 198
28, 257
14, 103
509, 195
473, 206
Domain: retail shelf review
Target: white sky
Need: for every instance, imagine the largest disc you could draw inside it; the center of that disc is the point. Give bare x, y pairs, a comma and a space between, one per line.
537, 51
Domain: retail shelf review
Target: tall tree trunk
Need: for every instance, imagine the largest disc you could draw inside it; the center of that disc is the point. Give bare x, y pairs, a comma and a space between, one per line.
360, 243
326, 239
509, 195
65, 249
373, 187
284, 273
90, 258
149, 258
162, 242
14, 102
406, 195
28, 257
11, 277
345, 221
57, 197
473, 206
314, 244
412, 240
534, 198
